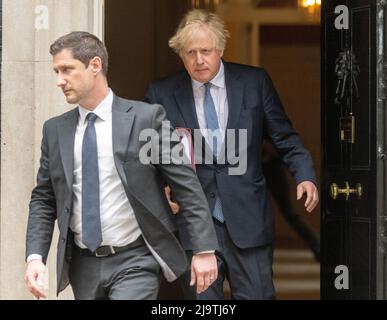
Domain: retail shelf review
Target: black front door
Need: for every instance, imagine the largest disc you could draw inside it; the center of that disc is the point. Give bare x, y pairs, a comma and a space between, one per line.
354, 218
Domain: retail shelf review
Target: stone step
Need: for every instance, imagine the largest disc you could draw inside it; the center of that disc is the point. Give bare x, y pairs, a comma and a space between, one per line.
296, 274
298, 269
297, 285
293, 254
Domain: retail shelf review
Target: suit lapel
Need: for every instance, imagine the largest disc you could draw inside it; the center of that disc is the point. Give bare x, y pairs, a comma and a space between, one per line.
66, 134
186, 103
122, 123
234, 89
235, 100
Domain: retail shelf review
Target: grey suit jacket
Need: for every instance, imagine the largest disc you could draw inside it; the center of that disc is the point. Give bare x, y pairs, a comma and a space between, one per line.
51, 199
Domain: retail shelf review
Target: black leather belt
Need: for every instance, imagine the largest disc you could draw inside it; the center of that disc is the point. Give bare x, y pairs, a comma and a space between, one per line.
105, 251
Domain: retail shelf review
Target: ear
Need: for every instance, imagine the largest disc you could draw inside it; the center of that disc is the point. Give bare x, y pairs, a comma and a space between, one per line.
95, 65
221, 53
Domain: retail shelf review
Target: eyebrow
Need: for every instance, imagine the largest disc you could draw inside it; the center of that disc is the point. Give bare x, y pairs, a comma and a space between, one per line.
199, 49
64, 65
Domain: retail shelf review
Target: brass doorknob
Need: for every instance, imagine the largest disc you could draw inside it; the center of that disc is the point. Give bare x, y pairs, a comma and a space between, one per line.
335, 191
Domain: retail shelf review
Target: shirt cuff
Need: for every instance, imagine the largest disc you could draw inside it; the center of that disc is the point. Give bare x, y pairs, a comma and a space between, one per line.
34, 257
208, 251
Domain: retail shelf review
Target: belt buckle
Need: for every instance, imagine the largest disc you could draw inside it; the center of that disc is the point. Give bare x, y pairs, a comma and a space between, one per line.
105, 254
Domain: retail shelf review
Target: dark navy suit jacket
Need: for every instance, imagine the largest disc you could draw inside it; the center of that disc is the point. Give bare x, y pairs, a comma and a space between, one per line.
253, 105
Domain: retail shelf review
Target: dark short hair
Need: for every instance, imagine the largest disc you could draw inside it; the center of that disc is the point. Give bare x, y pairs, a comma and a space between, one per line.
84, 46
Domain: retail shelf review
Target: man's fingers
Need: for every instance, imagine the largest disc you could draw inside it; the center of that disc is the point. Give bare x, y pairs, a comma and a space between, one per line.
199, 283
193, 277
314, 202
207, 281
38, 292
300, 191
167, 191
309, 197
174, 207
33, 286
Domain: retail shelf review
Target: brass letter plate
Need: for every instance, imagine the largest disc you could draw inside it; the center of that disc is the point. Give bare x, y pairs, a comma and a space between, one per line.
347, 129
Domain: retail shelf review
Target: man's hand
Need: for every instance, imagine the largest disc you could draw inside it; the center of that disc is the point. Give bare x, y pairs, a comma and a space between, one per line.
34, 278
174, 206
310, 189
204, 271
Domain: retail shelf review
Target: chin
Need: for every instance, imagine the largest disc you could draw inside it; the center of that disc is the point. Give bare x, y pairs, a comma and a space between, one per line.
71, 100
203, 79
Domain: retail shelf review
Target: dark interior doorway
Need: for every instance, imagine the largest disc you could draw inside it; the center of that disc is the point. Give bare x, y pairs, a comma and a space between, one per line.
136, 36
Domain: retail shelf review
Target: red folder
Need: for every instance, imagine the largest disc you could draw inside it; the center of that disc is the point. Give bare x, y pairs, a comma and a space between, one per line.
185, 135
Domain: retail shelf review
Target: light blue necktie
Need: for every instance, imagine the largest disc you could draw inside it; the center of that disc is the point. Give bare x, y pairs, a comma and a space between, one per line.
213, 125
91, 220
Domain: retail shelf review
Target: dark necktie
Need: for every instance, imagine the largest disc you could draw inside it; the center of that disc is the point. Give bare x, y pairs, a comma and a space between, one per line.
91, 220
213, 125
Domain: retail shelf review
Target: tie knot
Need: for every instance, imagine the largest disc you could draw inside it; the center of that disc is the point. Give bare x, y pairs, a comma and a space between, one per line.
91, 117
207, 85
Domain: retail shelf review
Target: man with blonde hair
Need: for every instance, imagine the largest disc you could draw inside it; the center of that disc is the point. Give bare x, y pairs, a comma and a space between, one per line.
212, 95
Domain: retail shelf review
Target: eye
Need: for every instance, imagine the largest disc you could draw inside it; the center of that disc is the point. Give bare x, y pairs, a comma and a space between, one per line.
66, 69
206, 52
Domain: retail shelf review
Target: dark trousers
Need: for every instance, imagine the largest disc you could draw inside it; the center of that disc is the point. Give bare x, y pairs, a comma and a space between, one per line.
249, 271
129, 275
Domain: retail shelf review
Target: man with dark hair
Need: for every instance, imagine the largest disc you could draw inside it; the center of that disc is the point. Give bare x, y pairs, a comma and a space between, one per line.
116, 228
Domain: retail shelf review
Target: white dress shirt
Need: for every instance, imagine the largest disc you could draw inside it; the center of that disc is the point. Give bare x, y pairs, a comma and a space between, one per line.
219, 96
118, 223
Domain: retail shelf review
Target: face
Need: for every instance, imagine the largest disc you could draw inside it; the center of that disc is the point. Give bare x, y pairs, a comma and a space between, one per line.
200, 57
75, 80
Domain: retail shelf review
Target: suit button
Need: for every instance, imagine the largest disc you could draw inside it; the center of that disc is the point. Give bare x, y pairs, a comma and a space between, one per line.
67, 210
217, 171
63, 240
212, 194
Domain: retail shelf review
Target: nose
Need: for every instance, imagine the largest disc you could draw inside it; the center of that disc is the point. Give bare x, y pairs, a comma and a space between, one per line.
199, 58
60, 82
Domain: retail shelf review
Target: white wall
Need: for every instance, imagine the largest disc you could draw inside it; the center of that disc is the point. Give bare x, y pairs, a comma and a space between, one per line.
28, 98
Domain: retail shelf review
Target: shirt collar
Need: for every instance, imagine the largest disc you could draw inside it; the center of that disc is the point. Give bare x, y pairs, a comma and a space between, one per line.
217, 81
102, 110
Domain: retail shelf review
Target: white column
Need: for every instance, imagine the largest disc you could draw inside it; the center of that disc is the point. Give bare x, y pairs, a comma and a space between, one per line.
28, 98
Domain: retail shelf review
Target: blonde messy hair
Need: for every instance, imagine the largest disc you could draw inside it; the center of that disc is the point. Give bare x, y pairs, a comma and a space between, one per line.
194, 20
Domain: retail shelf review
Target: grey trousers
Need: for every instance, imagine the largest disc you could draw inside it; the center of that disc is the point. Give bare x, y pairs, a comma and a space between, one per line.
130, 275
